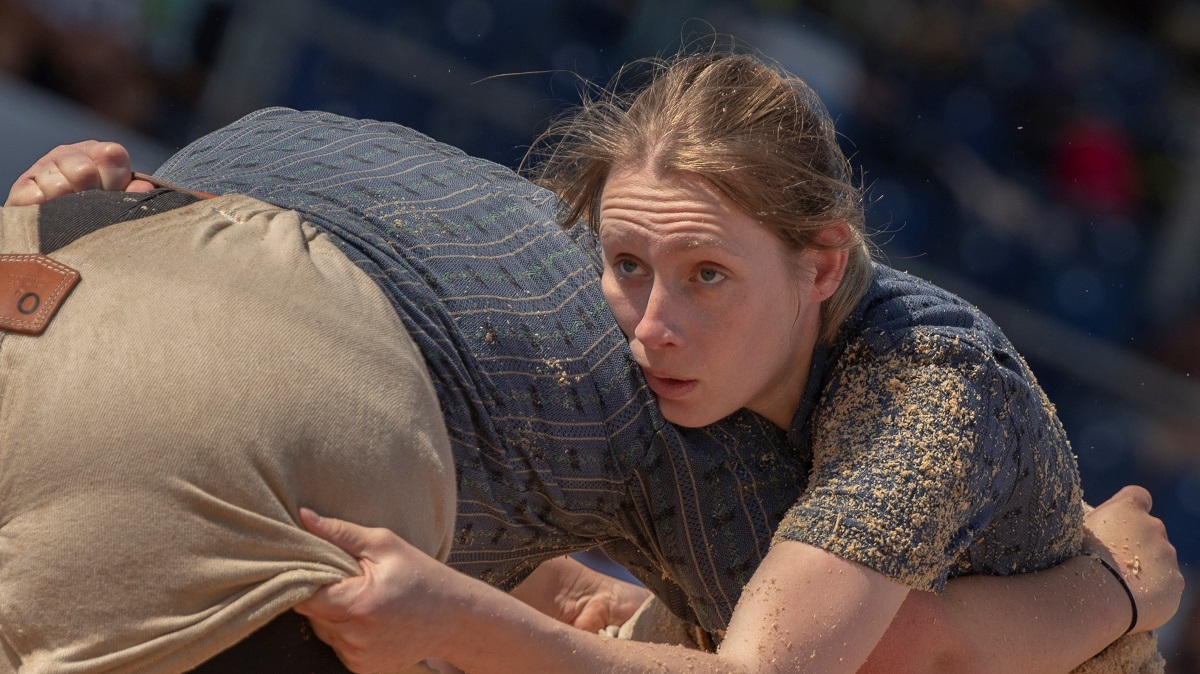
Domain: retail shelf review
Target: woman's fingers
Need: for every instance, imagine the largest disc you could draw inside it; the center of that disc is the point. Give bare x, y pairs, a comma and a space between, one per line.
67, 169
111, 166
139, 186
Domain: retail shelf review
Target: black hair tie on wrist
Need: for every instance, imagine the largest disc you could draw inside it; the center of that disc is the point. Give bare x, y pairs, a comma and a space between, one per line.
1128, 592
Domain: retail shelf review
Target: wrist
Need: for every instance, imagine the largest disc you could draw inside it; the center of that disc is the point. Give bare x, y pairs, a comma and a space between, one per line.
494, 623
1112, 571
462, 606
1100, 606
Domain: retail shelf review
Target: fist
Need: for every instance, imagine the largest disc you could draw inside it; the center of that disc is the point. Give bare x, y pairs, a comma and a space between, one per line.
89, 165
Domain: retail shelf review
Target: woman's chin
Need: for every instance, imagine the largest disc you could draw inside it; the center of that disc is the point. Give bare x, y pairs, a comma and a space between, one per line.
689, 416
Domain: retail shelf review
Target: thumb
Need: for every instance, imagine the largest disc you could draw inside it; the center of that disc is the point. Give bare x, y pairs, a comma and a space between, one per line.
139, 186
348, 536
326, 604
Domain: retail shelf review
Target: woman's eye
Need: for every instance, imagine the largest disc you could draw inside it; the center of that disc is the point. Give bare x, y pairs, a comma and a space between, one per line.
709, 275
627, 266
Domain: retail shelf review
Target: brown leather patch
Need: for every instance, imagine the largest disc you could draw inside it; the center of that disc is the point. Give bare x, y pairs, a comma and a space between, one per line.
32, 288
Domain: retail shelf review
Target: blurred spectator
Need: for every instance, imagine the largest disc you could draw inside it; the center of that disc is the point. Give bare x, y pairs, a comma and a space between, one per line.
129, 61
84, 55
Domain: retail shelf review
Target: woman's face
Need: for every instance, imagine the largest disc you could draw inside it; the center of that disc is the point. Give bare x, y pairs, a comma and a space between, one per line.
718, 313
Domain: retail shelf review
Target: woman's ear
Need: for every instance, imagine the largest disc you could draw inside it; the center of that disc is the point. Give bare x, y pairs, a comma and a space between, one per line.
828, 259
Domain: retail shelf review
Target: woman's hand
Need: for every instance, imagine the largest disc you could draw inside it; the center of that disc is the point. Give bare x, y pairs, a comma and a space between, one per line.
391, 616
570, 592
1123, 532
67, 169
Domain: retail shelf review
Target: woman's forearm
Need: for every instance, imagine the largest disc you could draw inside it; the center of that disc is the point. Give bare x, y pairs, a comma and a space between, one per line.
805, 610
1046, 622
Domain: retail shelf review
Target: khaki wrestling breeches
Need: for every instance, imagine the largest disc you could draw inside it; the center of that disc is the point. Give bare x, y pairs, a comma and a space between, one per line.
217, 367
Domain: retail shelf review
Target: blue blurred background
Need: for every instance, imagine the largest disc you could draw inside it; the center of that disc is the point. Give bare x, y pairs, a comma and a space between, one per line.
1041, 158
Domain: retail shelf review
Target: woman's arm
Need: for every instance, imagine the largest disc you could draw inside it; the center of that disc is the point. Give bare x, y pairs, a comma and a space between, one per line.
1060, 617
406, 607
1049, 621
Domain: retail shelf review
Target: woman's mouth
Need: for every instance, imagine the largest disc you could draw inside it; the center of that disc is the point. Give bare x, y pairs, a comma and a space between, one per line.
668, 387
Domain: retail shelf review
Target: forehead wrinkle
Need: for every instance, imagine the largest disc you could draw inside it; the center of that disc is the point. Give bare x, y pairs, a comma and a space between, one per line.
681, 212
622, 230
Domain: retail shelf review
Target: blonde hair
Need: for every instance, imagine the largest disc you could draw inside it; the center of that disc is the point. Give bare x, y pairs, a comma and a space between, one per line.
756, 132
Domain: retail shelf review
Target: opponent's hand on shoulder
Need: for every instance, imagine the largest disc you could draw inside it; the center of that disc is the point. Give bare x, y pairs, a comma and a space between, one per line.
1122, 531
67, 169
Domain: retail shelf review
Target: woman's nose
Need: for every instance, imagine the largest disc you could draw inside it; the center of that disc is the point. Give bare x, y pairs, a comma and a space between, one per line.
657, 327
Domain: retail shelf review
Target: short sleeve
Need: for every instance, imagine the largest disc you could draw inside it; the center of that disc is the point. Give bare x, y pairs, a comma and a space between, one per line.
909, 454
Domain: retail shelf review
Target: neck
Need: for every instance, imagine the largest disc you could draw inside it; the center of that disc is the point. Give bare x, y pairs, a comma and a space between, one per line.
780, 408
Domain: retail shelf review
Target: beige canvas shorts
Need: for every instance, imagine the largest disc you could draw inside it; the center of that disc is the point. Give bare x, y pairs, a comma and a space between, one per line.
216, 367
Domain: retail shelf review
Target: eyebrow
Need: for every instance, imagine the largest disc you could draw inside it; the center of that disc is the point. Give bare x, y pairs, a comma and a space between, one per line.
693, 242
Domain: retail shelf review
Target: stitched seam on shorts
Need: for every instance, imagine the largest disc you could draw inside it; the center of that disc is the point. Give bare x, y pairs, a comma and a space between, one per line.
232, 217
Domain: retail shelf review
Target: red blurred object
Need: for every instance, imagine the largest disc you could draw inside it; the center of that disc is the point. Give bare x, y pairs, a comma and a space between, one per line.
1095, 168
